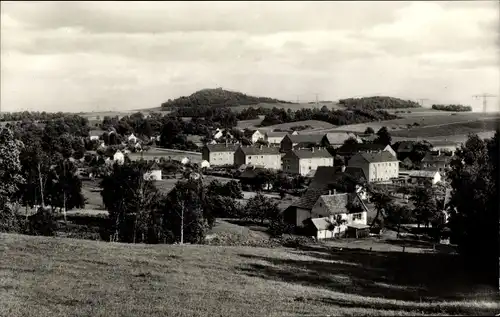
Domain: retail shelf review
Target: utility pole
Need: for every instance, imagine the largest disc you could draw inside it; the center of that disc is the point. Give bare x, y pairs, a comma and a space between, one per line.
317, 99
485, 97
298, 100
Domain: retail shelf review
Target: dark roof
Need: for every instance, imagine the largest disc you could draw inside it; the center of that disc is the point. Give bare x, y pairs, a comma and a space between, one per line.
263, 150
335, 204
249, 132
320, 184
361, 147
378, 157
404, 146
222, 147
276, 134
306, 138
311, 153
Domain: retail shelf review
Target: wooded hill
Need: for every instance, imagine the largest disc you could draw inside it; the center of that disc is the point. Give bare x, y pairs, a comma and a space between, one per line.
378, 102
217, 98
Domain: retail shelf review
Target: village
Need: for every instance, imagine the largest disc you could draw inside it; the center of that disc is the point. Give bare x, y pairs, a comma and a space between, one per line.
322, 159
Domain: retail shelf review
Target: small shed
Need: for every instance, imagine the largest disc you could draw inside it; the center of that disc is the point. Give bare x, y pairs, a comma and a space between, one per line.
358, 231
320, 228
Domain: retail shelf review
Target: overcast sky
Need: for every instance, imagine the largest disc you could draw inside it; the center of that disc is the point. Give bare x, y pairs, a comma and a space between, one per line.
81, 56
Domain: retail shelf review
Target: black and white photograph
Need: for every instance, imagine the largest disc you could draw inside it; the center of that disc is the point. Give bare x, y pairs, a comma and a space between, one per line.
249, 158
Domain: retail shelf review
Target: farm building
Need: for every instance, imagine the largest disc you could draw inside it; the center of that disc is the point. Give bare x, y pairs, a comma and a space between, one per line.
219, 154
300, 140
418, 177
303, 161
260, 156
337, 139
403, 149
348, 150
378, 167
275, 137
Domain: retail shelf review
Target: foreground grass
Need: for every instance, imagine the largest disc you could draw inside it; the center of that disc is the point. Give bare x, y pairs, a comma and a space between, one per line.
42, 276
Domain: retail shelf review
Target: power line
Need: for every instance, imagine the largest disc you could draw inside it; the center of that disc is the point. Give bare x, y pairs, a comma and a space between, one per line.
485, 97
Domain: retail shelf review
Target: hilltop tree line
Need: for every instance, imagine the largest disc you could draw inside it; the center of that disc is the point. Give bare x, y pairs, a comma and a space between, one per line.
217, 98
378, 102
31, 116
335, 117
454, 108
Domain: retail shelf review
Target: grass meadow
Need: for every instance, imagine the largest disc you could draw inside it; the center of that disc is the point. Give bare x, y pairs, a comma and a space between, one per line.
50, 277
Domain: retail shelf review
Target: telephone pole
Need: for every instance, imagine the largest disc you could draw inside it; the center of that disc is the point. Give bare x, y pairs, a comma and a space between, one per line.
317, 99
485, 97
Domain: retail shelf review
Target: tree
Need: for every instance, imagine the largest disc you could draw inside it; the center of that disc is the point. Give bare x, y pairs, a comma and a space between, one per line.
187, 212
11, 178
64, 188
473, 204
398, 214
383, 137
425, 202
131, 201
369, 130
381, 200
261, 208
350, 141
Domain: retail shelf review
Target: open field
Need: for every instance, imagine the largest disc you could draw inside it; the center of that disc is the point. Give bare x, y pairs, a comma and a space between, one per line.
315, 124
249, 124
423, 121
450, 129
42, 276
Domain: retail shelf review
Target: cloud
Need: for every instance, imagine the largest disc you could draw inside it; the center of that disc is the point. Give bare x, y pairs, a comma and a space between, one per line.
83, 55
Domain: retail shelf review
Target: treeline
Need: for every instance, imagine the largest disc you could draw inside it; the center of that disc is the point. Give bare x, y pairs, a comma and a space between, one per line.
217, 98
454, 108
377, 102
335, 117
31, 116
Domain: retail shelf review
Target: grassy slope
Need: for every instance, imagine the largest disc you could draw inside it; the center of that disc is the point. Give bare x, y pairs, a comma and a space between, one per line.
43, 276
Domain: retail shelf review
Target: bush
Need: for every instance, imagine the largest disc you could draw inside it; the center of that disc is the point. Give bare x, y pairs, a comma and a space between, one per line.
43, 223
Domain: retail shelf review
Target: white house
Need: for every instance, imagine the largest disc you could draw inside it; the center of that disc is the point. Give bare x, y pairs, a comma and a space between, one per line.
274, 137
132, 138
154, 174
416, 176
303, 161
205, 164
95, 135
119, 157
330, 216
254, 135
377, 167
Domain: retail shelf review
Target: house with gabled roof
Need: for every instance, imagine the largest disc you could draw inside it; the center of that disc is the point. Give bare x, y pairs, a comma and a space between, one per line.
260, 156
219, 154
253, 135
303, 161
348, 150
377, 167
337, 139
274, 137
300, 140
326, 180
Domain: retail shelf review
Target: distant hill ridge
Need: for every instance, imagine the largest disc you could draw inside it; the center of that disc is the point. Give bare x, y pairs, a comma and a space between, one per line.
378, 102
218, 97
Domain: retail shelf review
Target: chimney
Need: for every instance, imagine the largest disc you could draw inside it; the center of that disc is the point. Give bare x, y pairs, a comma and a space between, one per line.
342, 168
334, 191
329, 193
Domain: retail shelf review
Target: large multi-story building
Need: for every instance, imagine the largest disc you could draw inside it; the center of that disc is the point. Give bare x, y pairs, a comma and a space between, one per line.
377, 167
219, 154
300, 140
303, 161
260, 156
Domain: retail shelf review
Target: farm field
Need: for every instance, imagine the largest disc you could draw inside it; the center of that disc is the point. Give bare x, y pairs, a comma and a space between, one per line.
422, 120
47, 276
451, 129
315, 124
249, 124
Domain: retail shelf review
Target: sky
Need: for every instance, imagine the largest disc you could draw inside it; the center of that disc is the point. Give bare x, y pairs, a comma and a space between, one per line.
101, 56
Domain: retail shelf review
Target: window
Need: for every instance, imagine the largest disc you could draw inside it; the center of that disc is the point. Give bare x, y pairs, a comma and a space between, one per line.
309, 167
249, 157
356, 216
